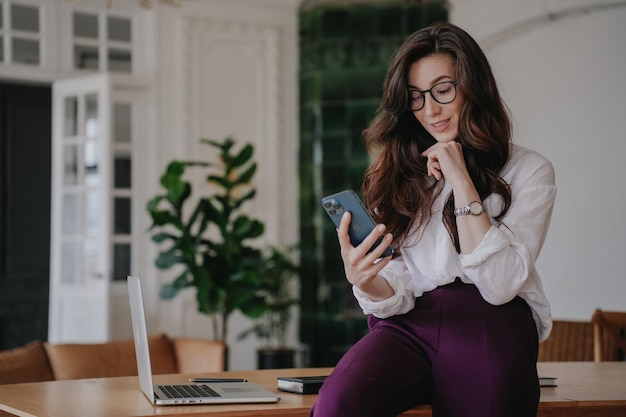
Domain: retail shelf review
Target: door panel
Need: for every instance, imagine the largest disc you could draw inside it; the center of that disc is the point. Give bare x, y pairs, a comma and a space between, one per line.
81, 190
25, 136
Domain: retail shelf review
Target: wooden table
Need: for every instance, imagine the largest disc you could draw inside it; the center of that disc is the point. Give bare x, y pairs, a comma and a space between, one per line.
585, 389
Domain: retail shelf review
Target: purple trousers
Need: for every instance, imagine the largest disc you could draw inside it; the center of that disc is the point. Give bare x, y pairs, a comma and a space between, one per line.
454, 350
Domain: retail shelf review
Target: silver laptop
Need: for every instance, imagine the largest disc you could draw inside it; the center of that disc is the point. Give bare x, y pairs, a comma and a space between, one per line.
176, 393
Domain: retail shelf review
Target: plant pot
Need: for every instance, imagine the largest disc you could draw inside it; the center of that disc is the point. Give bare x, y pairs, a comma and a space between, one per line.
276, 358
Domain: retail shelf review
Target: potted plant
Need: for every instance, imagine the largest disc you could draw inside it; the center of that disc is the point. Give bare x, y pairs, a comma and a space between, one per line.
279, 272
208, 237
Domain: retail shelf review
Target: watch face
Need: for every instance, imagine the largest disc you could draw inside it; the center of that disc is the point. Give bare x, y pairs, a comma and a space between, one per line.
476, 208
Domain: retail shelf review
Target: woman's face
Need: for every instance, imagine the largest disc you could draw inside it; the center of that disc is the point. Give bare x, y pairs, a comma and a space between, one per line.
440, 120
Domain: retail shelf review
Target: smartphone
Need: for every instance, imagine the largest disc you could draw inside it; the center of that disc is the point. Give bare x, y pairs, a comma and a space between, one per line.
361, 224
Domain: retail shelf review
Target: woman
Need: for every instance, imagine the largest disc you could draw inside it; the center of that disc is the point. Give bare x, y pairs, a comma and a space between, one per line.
456, 316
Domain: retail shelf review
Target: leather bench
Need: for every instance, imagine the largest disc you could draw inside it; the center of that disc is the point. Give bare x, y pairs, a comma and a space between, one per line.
42, 361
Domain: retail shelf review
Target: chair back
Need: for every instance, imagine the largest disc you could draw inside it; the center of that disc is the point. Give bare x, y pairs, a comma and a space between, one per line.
568, 341
609, 331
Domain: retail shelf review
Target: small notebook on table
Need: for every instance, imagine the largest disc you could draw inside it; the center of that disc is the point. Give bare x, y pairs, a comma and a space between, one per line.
301, 384
547, 381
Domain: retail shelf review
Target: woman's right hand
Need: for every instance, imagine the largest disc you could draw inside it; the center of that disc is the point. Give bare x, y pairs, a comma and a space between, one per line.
362, 268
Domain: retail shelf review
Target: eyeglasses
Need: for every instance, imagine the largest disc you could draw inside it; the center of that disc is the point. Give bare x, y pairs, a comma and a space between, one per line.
443, 93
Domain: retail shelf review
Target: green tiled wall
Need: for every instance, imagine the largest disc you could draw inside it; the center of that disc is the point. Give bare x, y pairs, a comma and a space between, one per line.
344, 54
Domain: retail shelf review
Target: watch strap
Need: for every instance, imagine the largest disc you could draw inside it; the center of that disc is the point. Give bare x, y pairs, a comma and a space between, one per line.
461, 211
475, 208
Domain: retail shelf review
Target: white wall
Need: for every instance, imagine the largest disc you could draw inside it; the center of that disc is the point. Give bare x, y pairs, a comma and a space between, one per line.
229, 67
563, 79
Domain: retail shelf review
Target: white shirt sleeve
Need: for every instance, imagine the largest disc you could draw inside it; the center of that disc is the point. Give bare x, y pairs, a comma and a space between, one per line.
403, 299
504, 260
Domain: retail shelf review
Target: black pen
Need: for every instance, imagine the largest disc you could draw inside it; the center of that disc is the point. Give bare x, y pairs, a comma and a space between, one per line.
209, 380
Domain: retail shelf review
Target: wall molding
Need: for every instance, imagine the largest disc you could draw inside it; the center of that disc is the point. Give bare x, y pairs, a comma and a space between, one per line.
261, 43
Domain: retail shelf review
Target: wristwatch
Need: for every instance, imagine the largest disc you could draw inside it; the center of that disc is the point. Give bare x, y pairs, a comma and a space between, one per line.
475, 208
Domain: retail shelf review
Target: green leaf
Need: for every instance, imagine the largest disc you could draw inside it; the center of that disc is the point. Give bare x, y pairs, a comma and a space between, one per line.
210, 300
249, 195
162, 218
179, 194
245, 228
204, 223
169, 291
243, 156
246, 176
242, 226
168, 259
254, 307
214, 214
248, 230
220, 181
249, 277
175, 169
204, 291
194, 215
174, 187
154, 203
196, 164
201, 277
243, 294
227, 144
162, 237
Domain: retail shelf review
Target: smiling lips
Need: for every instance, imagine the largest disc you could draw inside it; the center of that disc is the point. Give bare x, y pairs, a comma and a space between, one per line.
440, 126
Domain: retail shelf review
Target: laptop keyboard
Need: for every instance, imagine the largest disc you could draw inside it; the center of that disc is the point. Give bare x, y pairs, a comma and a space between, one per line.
188, 391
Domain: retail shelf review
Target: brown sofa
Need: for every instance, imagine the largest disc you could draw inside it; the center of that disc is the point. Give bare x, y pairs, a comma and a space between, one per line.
39, 361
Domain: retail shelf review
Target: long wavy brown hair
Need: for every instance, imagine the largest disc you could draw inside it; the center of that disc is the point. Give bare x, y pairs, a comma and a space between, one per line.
396, 188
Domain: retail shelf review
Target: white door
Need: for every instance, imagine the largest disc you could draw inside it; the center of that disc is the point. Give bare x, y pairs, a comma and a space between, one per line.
81, 196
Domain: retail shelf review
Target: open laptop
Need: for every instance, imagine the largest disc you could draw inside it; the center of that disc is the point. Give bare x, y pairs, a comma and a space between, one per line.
176, 393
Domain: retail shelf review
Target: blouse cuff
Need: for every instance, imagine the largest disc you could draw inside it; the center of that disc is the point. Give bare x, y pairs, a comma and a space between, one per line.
493, 241
389, 306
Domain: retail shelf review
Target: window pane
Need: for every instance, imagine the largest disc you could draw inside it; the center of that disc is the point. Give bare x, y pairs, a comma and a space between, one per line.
25, 51
120, 60
85, 25
92, 157
91, 116
92, 177
121, 261
1, 47
70, 215
25, 18
122, 175
92, 213
70, 165
71, 117
69, 256
119, 29
90, 258
86, 57
121, 122
121, 216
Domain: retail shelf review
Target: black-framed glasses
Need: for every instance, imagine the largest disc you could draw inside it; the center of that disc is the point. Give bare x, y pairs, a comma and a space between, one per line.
443, 93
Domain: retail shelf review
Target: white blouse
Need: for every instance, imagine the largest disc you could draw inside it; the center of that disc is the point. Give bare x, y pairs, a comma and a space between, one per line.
502, 266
